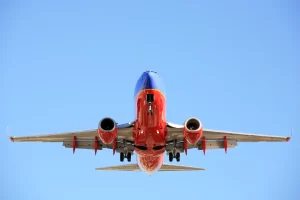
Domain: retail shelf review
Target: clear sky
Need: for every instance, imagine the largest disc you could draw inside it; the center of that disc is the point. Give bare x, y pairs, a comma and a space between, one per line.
64, 65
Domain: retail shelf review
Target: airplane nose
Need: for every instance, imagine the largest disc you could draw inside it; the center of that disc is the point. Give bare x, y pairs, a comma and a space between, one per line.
149, 82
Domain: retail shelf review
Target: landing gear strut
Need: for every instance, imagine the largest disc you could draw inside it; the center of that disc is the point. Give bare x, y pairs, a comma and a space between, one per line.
150, 111
150, 100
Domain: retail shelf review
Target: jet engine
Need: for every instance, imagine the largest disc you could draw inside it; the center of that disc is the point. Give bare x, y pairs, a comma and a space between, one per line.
192, 130
107, 130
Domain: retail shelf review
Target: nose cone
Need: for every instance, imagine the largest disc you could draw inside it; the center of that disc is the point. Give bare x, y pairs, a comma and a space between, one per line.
150, 80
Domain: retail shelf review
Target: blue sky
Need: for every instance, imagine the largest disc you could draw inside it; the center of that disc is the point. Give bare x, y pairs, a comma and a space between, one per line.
64, 65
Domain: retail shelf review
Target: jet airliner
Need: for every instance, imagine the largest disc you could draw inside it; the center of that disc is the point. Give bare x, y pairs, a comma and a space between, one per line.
150, 135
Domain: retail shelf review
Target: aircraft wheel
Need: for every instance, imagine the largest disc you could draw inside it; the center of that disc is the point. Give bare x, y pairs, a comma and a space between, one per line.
177, 157
122, 156
129, 157
170, 157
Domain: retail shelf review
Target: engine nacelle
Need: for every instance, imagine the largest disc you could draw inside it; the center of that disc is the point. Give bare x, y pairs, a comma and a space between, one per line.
192, 130
107, 130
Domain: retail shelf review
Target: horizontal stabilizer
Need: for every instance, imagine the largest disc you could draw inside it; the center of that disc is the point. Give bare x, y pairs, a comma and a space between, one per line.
135, 168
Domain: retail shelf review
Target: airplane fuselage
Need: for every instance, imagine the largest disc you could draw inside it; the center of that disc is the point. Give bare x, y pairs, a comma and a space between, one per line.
150, 130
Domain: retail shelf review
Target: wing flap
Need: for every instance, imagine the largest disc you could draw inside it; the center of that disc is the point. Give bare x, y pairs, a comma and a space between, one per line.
89, 144
215, 144
82, 145
210, 144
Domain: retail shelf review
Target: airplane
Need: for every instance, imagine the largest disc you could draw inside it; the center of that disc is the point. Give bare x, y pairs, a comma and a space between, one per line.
150, 135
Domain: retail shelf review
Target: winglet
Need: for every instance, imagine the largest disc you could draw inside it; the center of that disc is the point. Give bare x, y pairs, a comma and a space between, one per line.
7, 133
288, 138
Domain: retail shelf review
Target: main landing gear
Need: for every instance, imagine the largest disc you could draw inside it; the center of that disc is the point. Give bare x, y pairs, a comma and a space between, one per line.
171, 156
123, 155
173, 150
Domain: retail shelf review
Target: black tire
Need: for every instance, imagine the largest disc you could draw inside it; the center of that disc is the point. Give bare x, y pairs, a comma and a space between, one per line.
122, 156
129, 157
171, 157
177, 157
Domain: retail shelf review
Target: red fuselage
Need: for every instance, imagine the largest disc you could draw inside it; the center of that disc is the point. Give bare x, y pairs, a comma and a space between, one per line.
150, 130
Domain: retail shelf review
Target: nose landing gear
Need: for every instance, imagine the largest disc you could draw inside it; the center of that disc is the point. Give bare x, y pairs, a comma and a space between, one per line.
150, 111
150, 100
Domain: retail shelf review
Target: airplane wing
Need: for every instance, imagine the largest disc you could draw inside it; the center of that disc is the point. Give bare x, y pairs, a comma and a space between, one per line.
215, 138
84, 139
135, 168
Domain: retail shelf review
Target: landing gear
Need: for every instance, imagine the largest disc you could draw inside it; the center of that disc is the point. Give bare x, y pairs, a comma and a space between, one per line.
150, 111
128, 157
150, 100
173, 150
177, 157
171, 156
122, 156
